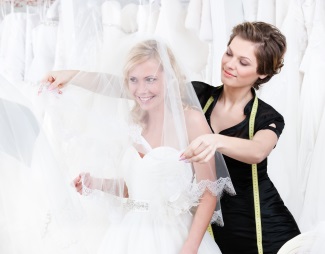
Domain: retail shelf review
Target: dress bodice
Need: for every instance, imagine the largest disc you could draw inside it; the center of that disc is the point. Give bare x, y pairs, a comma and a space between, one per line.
158, 173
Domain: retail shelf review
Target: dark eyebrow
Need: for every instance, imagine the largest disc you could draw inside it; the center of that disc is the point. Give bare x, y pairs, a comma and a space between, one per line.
241, 57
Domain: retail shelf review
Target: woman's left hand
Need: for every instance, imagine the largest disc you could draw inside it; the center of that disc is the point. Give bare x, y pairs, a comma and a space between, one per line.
201, 149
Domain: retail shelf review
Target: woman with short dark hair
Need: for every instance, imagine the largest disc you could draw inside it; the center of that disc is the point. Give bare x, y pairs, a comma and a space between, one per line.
246, 129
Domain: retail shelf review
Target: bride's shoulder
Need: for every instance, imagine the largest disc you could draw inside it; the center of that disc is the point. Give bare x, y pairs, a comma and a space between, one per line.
196, 124
194, 117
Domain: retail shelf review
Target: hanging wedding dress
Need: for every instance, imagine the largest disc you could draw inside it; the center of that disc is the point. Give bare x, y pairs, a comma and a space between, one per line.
40, 212
250, 8
313, 94
87, 35
221, 28
16, 118
44, 38
32, 20
282, 7
189, 49
79, 35
147, 17
283, 92
65, 33
12, 50
266, 11
113, 35
20, 202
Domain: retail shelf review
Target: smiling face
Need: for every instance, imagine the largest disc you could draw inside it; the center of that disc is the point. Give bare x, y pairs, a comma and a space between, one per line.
239, 64
145, 83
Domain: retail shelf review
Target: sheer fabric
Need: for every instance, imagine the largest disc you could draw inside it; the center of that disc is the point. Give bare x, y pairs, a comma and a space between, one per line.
96, 128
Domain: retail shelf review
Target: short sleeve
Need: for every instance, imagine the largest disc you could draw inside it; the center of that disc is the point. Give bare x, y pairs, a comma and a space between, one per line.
267, 117
203, 91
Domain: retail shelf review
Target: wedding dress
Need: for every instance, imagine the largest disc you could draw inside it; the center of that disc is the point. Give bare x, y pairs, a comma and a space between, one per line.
113, 35
21, 203
312, 117
157, 218
32, 20
12, 51
79, 25
171, 27
44, 38
283, 92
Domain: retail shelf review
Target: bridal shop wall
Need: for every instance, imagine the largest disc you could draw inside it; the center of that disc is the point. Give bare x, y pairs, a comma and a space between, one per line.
43, 35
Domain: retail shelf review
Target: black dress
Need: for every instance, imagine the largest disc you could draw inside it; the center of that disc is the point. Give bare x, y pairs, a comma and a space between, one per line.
239, 232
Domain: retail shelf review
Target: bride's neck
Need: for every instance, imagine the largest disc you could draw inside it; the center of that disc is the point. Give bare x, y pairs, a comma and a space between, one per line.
153, 129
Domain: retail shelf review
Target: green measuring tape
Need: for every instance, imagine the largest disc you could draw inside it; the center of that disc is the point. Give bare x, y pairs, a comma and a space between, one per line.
207, 105
254, 176
255, 183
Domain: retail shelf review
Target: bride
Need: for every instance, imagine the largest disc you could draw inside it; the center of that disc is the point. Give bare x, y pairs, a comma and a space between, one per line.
166, 203
120, 139
157, 189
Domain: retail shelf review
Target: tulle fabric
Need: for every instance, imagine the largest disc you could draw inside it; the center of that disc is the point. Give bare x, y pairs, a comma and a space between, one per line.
49, 138
40, 210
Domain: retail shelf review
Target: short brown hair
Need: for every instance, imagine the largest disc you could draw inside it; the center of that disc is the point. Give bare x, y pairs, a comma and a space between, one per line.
270, 47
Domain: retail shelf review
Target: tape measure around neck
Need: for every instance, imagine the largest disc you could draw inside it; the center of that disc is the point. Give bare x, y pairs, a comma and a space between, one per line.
255, 183
254, 177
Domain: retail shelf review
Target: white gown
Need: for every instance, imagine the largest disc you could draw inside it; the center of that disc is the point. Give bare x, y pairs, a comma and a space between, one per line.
312, 126
12, 50
44, 44
186, 44
283, 93
158, 216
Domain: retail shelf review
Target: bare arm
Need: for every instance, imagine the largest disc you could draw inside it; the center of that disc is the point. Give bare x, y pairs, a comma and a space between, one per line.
247, 151
96, 82
59, 79
203, 171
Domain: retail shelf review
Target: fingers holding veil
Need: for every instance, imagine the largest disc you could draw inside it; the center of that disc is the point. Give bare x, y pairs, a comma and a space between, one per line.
55, 80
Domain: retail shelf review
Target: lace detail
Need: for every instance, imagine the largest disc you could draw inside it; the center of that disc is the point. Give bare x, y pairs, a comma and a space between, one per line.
183, 201
217, 218
228, 187
85, 190
217, 188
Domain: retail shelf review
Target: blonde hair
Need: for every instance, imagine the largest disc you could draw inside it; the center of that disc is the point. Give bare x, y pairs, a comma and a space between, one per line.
142, 52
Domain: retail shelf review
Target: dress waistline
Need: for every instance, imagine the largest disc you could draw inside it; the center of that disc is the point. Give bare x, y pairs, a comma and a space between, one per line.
136, 205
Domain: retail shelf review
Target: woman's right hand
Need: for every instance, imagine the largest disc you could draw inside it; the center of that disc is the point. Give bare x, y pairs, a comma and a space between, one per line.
59, 79
83, 180
201, 149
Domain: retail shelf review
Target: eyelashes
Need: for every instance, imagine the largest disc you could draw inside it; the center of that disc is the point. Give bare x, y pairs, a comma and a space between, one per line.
147, 80
241, 62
